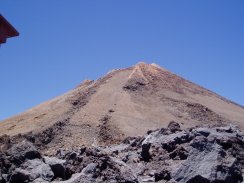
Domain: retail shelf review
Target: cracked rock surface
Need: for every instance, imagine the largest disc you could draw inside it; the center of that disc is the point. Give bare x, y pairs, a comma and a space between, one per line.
196, 155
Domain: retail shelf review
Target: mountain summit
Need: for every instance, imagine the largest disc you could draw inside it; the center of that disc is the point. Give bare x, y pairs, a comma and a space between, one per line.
125, 102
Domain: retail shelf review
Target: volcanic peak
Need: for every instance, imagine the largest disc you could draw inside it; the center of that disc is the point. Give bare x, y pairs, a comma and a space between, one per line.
142, 97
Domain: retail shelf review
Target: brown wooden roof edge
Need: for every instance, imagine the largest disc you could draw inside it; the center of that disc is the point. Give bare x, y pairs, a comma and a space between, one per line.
12, 32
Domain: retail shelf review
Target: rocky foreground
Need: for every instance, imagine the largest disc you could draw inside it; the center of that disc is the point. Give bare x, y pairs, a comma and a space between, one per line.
196, 155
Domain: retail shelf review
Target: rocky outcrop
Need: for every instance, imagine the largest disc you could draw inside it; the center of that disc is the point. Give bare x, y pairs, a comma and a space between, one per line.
30, 171
196, 155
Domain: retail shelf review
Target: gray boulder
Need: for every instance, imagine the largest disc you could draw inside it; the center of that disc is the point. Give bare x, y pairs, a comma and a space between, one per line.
57, 166
76, 178
31, 170
207, 162
21, 151
125, 172
167, 141
89, 170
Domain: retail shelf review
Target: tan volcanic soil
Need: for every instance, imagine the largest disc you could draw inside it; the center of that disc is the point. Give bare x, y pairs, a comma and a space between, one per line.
126, 102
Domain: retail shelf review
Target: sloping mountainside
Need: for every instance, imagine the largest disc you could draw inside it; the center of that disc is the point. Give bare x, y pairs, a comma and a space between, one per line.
125, 102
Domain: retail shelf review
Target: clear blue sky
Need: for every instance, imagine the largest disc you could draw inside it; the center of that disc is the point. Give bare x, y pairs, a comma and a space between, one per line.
63, 42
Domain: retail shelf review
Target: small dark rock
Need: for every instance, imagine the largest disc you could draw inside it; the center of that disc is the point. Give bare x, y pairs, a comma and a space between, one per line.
179, 154
145, 152
162, 175
174, 126
169, 146
82, 150
111, 110
198, 179
19, 177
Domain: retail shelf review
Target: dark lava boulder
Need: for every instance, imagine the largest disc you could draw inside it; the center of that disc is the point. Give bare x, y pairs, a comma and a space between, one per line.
21, 151
57, 166
31, 170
